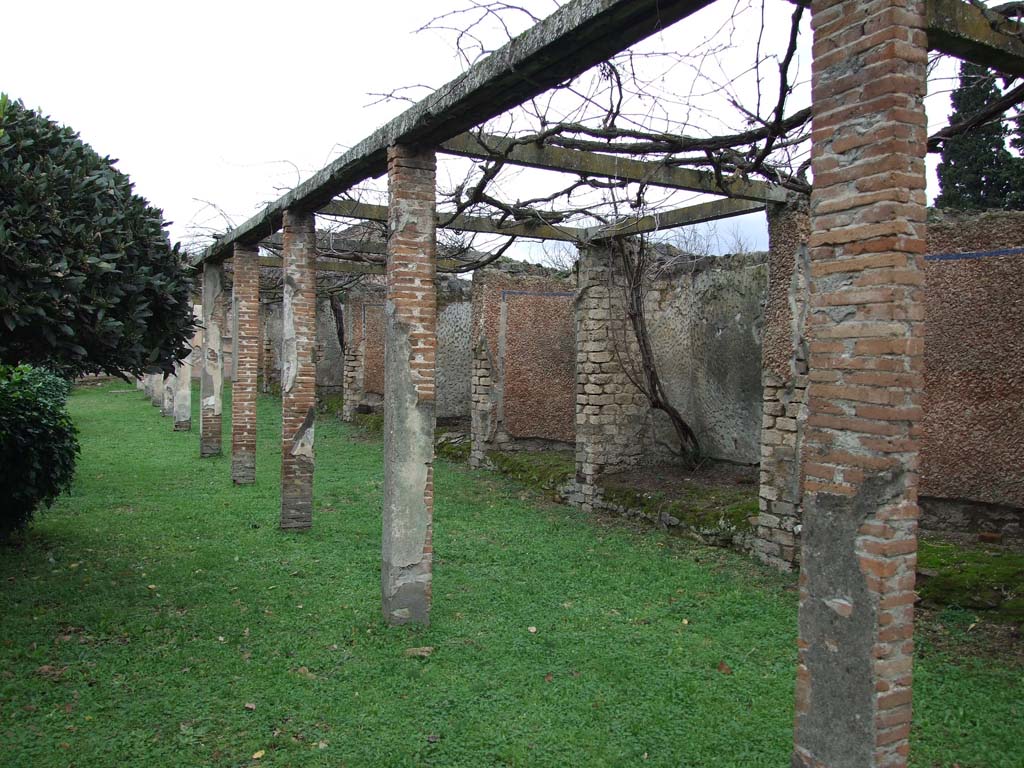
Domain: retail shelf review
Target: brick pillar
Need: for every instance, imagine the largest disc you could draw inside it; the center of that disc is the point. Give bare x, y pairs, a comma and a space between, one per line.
353, 377
410, 347
784, 384
246, 290
864, 402
168, 383
298, 371
612, 415
481, 404
183, 392
211, 379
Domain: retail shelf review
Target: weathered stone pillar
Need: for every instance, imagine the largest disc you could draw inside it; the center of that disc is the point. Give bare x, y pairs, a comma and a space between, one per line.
298, 371
481, 404
246, 289
211, 380
410, 346
866, 335
167, 406
612, 421
183, 394
353, 377
784, 383
156, 390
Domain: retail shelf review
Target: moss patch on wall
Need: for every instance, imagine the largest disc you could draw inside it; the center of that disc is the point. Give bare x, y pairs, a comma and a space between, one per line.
369, 423
330, 404
714, 513
545, 470
978, 578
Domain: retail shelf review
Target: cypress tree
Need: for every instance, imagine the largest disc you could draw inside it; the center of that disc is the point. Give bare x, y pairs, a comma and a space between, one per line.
977, 171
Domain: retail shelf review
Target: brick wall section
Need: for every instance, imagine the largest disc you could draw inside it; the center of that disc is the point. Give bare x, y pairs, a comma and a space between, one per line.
246, 291
522, 332
853, 698
974, 360
784, 381
409, 397
612, 415
211, 380
298, 375
352, 375
363, 373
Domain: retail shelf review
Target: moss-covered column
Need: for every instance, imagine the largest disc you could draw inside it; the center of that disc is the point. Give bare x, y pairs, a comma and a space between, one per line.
246, 289
410, 346
298, 370
211, 379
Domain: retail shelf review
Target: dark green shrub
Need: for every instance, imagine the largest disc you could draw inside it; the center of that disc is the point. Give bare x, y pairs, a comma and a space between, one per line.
38, 443
89, 282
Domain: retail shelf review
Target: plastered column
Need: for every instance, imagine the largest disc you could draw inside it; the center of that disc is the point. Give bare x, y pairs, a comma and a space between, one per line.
246, 289
298, 371
183, 393
211, 380
156, 390
860, 452
410, 347
168, 383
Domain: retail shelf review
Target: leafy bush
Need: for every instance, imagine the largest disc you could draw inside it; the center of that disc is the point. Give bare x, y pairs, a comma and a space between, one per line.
89, 282
38, 443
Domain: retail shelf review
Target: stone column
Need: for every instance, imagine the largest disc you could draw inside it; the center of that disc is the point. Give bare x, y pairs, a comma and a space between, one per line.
410, 347
183, 394
168, 384
612, 423
354, 359
784, 384
298, 371
246, 289
481, 404
211, 380
866, 331
156, 390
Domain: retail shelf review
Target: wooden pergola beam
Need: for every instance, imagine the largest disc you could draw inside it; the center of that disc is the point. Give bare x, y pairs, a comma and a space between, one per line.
713, 210
981, 37
634, 225
595, 164
331, 265
577, 36
356, 210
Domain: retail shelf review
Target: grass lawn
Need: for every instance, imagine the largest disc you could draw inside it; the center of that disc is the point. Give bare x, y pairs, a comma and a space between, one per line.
157, 617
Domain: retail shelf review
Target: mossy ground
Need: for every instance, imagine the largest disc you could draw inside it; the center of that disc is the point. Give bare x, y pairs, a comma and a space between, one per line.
157, 616
546, 470
978, 578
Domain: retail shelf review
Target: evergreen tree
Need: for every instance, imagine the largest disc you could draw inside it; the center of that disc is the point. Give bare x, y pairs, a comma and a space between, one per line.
977, 170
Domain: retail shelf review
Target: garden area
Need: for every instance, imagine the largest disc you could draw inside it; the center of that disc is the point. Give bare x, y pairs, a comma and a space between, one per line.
155, 615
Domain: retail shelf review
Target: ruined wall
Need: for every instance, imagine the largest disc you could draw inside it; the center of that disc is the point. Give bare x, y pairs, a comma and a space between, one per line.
363, 365
522, 332
974, 358
705, 324
971, 453
328, 349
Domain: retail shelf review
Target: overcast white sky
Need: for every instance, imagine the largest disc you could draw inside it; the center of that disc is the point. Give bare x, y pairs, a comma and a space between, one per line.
222, 101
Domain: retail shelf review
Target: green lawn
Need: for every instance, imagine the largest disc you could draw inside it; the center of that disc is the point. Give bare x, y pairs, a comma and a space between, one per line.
157, 617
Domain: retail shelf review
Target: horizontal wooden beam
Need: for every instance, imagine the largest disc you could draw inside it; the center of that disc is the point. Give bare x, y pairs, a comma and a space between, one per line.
577, 36
329, 242
532, 229
694, 214
595, 164
323, 265
981, 37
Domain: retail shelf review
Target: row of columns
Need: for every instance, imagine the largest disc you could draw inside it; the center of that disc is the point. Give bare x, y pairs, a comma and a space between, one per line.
410, 360
864, 381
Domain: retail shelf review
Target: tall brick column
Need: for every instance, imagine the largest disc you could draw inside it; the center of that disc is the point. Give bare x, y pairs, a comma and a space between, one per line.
211, 379
864, 402
298, 371
246, 289
410, 347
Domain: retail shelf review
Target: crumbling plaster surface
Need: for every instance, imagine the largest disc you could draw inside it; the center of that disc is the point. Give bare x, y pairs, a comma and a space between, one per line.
705, 320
